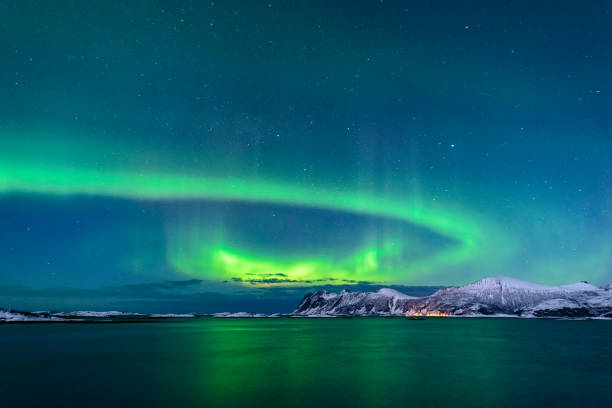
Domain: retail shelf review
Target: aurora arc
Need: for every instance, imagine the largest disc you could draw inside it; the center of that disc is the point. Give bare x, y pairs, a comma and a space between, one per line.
468, 234
306, 144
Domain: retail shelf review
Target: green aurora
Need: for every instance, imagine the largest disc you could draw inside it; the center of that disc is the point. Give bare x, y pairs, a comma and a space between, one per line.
265, 148
467, 233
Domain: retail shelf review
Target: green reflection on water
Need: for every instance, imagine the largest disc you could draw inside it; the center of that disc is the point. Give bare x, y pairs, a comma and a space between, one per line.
309, 362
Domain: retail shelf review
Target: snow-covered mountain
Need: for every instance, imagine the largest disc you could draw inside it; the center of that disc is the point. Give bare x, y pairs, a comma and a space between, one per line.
9, 316
498, 295
382, 302
89, 313
12, 316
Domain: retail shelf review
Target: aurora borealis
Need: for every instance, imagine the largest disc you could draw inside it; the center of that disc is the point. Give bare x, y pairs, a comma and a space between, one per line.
265, 146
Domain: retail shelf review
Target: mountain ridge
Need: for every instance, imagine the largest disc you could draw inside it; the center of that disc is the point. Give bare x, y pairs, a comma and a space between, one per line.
496, 295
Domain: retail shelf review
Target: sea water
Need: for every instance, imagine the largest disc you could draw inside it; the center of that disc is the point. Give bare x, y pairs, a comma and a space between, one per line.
308, 362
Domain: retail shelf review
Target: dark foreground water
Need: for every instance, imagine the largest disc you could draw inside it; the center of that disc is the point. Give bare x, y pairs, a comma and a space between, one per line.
363, 362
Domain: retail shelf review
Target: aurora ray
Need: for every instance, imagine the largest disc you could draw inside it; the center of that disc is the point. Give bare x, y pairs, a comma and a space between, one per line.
303, 144
464, 230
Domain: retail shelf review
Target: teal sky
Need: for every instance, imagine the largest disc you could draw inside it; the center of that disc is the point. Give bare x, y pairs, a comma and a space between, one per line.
253, 149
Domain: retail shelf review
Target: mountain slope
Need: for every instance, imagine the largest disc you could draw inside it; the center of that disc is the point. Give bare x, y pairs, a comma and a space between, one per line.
497, 295
384, 301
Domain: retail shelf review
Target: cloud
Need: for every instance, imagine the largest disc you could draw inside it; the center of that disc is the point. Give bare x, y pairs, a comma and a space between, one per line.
281, 275
362, 282
271, 280
166, 285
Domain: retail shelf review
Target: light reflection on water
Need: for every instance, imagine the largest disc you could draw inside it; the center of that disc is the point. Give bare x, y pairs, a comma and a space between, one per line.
308, 362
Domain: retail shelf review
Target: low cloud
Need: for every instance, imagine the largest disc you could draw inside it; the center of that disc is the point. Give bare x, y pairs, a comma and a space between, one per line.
270, 280
166, 285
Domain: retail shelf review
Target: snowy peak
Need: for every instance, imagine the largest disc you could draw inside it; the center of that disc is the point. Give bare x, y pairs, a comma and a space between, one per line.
502, 294
383, 301
507, 283
393, 293
581, 287
511, 289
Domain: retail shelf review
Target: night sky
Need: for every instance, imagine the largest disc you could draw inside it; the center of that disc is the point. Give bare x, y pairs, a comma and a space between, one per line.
232, 155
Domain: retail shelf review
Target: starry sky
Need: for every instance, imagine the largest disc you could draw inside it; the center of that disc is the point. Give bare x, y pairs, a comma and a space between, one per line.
180, 155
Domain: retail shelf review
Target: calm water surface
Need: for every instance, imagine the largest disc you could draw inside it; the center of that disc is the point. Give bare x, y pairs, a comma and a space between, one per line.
362, 362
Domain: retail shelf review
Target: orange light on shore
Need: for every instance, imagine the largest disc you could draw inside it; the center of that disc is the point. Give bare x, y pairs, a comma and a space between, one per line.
436, 314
